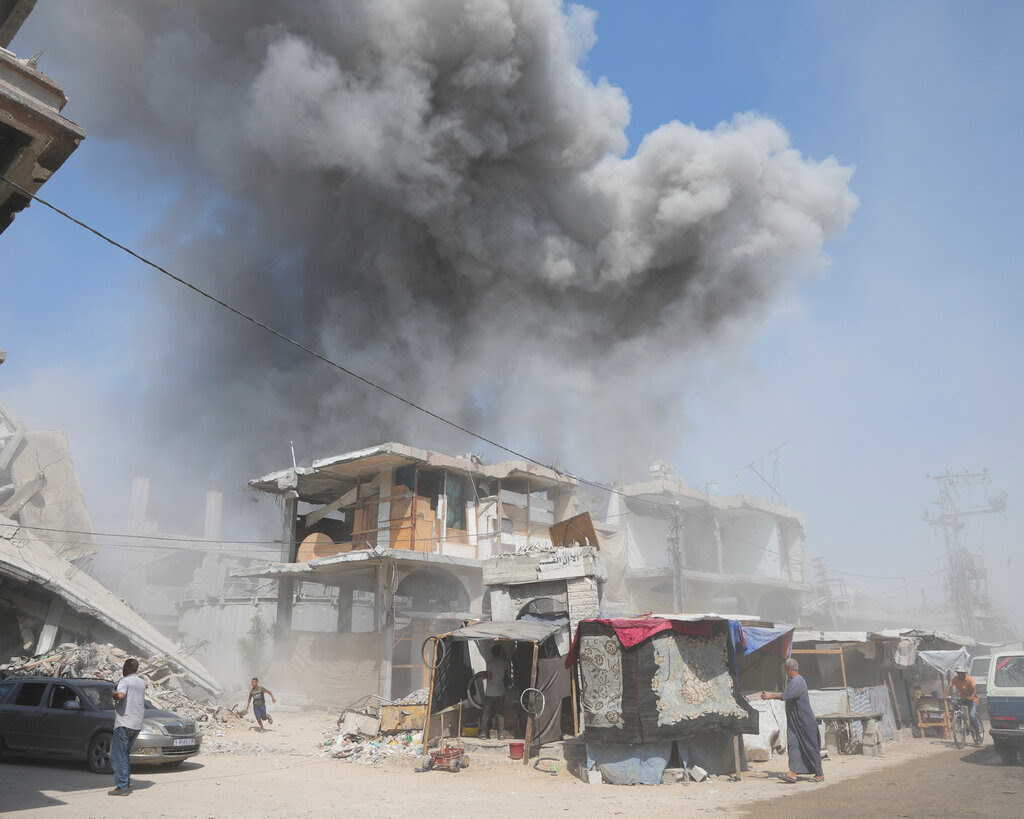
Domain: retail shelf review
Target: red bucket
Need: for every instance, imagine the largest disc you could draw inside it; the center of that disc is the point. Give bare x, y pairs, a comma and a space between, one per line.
515, 750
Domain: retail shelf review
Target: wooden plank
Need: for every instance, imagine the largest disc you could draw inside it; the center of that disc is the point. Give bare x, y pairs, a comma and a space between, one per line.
430, 695
575, 707
529, 716
895, 702
319, 514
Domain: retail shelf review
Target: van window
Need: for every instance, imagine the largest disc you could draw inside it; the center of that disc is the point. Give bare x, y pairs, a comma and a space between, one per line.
979, 667
61, 694
1009, 672
30, 694
5, 690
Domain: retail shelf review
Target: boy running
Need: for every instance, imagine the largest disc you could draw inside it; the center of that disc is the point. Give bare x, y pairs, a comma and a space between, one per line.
259, 702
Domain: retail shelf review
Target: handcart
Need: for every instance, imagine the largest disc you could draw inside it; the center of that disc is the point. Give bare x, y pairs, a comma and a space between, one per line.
449, 755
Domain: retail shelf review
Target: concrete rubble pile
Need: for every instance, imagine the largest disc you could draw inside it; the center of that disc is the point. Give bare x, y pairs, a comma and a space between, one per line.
104, 662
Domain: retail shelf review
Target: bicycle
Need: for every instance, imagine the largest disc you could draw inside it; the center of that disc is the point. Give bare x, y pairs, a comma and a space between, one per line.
961, 723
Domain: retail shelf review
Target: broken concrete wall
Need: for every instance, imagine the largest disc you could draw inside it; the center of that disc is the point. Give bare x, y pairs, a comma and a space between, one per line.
56, 512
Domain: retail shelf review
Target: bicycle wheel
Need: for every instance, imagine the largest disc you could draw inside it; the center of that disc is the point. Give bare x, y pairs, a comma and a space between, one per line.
844, 739
959, 729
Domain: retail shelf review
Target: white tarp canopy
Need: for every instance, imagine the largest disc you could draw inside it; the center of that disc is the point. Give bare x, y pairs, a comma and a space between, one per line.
945, 661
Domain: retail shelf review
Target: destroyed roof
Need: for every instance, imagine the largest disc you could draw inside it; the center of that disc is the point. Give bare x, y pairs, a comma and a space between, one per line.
689, 498
326, 479
30, 560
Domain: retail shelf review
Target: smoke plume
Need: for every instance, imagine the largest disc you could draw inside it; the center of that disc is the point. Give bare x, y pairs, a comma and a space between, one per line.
436, 194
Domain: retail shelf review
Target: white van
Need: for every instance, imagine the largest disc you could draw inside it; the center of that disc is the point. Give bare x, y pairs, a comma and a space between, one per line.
1006, 703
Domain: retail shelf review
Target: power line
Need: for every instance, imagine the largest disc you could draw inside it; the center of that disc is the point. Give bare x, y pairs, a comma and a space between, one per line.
282, 336
324, 359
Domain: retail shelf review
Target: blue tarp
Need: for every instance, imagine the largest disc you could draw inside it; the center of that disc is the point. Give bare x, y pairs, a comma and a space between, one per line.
630, 764
747, 640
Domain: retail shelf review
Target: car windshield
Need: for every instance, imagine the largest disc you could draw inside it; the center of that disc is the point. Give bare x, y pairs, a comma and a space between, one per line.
979, 668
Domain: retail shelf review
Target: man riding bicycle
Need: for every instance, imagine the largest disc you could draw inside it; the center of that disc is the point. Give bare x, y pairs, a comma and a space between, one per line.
967, 690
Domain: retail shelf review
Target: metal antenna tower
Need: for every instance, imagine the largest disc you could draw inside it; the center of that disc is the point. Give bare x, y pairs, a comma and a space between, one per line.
967, 581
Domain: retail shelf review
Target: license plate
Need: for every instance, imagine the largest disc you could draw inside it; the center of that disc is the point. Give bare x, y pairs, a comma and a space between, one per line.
179, 742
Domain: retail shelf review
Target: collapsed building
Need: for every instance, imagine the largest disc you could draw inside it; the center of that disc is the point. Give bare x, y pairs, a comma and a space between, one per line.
47, 595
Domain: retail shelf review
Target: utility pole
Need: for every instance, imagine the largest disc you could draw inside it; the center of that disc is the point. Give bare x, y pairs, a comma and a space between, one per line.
966, 577
675, 551
826, 587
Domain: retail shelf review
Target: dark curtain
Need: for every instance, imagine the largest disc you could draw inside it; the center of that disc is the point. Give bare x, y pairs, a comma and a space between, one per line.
553, 681
452, 675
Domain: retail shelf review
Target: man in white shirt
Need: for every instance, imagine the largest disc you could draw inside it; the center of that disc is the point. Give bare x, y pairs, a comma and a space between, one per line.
129, 710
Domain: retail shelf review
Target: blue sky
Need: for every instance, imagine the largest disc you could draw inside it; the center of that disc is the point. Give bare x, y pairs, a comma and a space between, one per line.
901, 358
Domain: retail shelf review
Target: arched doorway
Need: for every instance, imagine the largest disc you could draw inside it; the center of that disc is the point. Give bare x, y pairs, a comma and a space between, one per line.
427, 601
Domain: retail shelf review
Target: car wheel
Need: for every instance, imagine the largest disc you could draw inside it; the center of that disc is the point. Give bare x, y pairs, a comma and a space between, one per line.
1007, 753
99, 753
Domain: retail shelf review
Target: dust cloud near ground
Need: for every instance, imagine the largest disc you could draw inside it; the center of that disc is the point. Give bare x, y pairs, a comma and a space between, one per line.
282, 772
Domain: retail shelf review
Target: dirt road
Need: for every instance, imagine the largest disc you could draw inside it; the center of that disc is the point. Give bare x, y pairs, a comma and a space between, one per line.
971, 782
277, 774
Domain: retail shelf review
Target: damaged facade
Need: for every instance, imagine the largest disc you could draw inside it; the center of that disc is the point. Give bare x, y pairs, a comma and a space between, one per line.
35, 140
402, 533
735, 554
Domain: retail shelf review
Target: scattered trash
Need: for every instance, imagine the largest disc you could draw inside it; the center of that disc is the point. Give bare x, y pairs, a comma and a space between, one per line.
364, 750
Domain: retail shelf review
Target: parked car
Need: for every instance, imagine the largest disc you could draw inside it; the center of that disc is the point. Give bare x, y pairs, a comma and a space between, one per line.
1005, 696
74, 719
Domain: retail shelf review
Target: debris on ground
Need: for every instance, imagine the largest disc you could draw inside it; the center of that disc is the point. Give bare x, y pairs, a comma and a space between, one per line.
364, 750
105, 662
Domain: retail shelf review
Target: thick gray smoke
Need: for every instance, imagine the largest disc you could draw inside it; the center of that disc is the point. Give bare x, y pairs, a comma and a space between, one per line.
436, 194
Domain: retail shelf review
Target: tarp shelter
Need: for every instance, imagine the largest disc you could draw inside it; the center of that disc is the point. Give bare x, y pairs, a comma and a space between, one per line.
660, 685
659, 678
536, 659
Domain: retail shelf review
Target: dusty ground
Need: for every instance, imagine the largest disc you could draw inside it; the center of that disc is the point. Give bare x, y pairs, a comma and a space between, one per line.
285, 777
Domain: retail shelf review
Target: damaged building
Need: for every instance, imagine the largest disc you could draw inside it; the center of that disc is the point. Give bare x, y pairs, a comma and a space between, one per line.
402, 534
726, 554
47, 595
413, 543
35, 140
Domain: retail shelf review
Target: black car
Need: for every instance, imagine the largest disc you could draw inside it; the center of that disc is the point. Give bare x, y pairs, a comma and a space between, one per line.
74, 719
